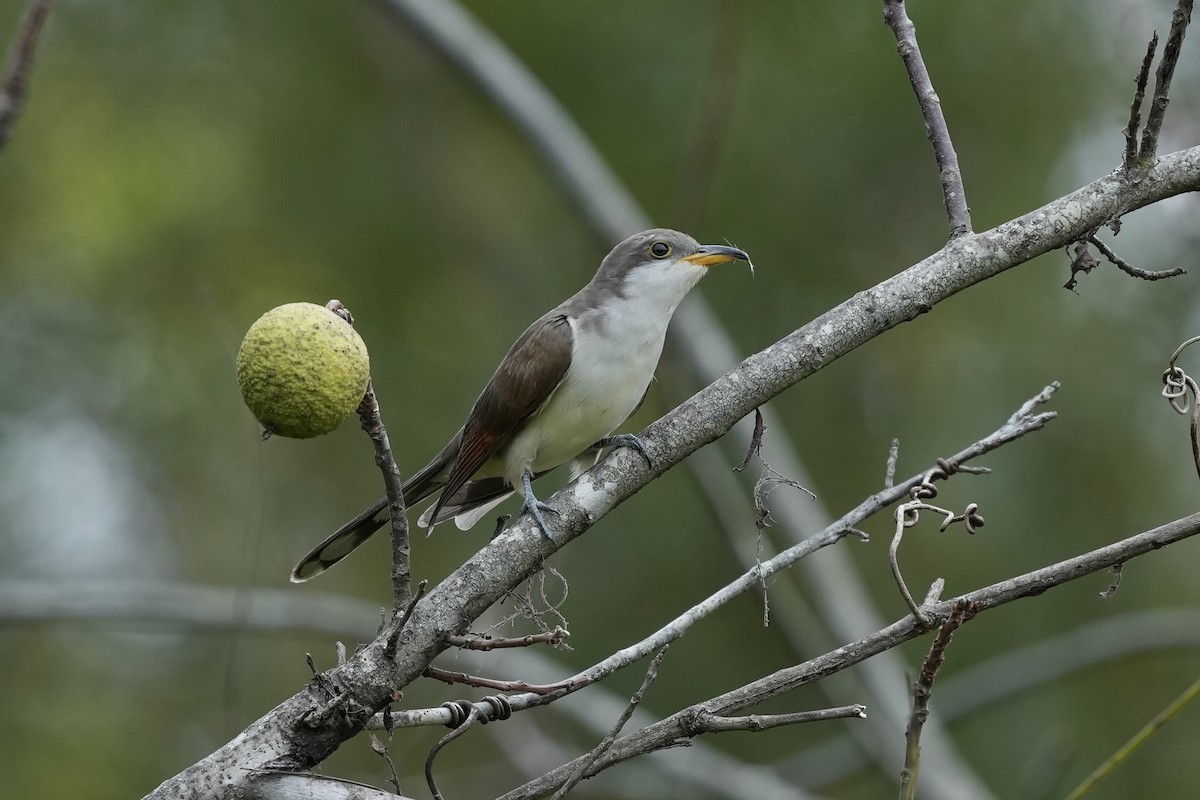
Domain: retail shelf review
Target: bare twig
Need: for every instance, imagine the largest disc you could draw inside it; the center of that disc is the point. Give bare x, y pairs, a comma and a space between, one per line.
922, 690
484, 642
446, 676
1162, 81
1129, 269
599, 750
372, 423
381, 749
704, 722
1135, 107
953, 195
14, 85
756, 441
893, 459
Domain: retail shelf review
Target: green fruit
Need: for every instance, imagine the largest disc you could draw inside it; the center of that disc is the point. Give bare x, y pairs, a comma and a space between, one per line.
303, 370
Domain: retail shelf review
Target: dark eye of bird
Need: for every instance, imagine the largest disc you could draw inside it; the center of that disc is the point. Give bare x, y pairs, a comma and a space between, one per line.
660, 249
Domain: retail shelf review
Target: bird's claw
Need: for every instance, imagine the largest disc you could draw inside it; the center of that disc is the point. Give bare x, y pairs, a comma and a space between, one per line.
626, 440
535, 507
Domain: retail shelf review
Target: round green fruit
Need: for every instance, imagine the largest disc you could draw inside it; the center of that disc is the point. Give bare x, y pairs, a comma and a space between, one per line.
303, 370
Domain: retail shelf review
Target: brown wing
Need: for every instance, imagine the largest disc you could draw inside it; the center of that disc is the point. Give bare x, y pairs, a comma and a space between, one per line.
525, 379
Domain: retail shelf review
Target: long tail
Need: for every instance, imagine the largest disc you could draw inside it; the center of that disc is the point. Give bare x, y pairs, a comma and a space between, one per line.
345, 539
471, 502
341, 542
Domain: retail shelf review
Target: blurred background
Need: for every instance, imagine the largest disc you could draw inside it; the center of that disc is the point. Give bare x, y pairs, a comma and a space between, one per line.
181, 168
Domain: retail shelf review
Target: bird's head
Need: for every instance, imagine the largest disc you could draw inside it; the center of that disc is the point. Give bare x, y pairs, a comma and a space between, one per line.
661, 261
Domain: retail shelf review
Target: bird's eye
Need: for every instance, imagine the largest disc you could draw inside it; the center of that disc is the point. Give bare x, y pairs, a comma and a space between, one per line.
660, 249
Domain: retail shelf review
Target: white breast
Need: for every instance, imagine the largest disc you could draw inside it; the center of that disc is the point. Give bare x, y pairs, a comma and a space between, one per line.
613, 358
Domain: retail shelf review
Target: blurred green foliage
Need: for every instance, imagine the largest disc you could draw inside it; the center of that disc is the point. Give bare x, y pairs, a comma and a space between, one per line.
182, 167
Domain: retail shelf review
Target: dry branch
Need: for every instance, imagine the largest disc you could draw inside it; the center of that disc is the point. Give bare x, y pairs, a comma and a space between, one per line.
954, 196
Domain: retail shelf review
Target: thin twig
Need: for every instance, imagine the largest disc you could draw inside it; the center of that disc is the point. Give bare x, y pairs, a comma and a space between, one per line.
922, 690
600, 749
552, 637
1129, 269
14, 86
1162, 81
1135, 107
446, 676
704, 722
756, 441
889, 475
372, 423
953, 195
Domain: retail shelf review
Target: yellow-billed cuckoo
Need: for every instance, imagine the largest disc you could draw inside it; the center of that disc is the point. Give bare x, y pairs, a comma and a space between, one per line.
568, 381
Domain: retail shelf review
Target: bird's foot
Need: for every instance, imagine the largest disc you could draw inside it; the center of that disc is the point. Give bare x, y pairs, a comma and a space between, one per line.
626, 440
535, 507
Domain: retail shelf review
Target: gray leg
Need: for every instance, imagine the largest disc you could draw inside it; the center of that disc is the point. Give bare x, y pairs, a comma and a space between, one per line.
534, 506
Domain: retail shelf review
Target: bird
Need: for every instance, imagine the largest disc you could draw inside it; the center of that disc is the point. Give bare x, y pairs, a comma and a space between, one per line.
575, 375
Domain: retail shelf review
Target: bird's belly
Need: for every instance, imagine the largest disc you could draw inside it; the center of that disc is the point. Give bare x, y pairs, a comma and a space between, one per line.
603, 387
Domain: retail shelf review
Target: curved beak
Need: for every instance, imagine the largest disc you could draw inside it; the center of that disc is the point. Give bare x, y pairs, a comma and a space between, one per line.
710, 254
